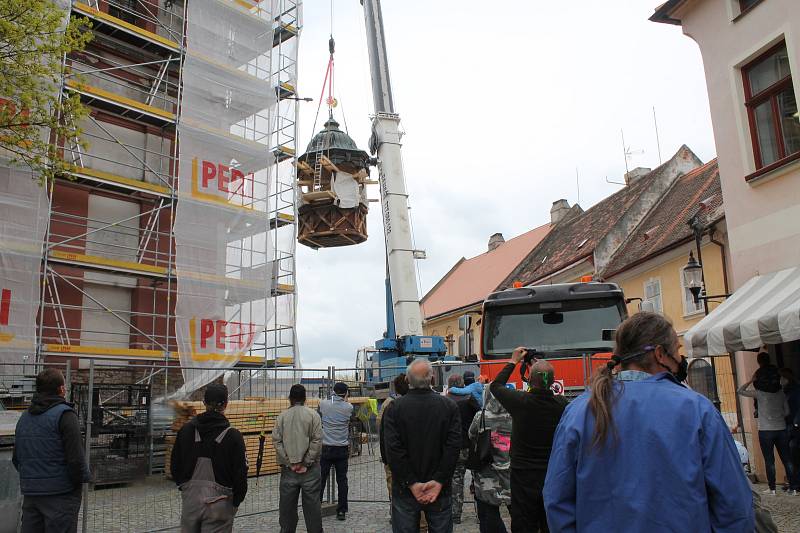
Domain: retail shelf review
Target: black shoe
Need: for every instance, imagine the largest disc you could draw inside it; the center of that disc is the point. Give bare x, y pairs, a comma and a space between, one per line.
340, 515
456, 519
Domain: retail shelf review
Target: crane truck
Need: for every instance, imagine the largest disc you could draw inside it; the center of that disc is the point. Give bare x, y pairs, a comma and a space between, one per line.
403, 338
571, 324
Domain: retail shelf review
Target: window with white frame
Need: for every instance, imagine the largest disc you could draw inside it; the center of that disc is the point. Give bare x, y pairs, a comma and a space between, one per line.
690, 307
652, 293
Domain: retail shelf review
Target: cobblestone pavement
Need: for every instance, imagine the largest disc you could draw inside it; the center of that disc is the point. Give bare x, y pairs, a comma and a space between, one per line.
785, 509
154, 505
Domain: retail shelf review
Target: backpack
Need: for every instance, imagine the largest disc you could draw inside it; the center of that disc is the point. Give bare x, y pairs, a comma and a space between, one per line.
767, 379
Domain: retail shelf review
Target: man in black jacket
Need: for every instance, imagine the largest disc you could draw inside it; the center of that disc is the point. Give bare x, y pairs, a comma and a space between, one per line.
534, 417
209, 465
48, 453
422, 437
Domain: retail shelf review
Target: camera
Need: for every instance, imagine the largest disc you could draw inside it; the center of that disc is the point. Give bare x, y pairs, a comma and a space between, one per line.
530, 355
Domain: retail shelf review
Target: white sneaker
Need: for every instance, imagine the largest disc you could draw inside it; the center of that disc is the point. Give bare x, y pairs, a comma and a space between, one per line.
794, 493
771, 492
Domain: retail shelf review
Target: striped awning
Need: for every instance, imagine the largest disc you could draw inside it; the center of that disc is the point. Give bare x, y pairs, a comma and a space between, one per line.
765, 310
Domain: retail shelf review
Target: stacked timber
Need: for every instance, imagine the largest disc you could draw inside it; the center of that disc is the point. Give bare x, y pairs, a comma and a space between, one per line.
253, 417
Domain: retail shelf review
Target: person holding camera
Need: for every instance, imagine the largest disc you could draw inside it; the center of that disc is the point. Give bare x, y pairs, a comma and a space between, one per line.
535, 414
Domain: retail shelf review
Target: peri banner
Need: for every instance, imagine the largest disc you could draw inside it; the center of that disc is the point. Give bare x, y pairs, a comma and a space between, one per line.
23, 222
221, 221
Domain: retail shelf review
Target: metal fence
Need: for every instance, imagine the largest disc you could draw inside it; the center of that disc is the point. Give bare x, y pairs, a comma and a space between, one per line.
129, 418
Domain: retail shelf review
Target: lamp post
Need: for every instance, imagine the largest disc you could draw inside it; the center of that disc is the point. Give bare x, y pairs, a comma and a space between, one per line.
694, 280
693, 276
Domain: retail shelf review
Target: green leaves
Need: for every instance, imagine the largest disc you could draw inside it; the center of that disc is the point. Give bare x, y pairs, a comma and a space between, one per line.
35, 118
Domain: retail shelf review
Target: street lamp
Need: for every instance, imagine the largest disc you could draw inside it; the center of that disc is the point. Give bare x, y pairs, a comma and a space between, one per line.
693, 277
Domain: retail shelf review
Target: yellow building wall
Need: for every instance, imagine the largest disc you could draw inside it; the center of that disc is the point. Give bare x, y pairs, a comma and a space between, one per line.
448, 325
669, 273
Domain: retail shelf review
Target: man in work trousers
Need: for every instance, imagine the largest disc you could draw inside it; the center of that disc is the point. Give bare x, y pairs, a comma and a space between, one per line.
209, 465
422, 436
336, 414
534, 417
297, 438
48, 453
467, 407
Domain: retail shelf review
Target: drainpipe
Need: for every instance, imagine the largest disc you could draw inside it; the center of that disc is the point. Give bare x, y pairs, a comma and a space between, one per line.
731, 355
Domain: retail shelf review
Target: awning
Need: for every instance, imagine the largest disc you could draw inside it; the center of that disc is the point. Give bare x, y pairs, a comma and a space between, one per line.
765, 310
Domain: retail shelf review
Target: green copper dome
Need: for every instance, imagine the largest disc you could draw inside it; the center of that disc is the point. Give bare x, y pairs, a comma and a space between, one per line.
331, 138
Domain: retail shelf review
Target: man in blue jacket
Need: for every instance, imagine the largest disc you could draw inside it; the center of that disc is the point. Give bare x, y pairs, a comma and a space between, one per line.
471, 387
48, 453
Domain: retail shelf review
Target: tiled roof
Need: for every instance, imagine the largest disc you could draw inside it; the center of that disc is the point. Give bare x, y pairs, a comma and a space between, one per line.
667, 223
471, 280
576, 237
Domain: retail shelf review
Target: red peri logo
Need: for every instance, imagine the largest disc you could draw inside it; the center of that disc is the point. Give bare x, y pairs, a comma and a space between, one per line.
5, 306
221, 182
219, 340
5, 314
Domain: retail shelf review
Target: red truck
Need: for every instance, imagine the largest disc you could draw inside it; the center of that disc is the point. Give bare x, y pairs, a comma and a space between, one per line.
570, 324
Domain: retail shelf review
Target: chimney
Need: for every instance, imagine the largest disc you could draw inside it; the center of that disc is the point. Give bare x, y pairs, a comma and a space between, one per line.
558, 211
495, 241
635, 174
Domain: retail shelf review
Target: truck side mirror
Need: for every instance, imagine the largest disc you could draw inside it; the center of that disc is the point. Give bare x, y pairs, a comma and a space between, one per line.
465, 322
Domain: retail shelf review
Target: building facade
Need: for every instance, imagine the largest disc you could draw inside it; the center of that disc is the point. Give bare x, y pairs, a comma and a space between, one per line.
173, 237
751, 56
464, 288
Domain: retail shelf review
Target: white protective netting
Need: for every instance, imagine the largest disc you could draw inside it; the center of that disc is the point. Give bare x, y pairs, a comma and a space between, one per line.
223, 251
279, 343
23, 222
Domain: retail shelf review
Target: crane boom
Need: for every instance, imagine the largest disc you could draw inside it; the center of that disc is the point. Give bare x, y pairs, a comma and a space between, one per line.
386, 144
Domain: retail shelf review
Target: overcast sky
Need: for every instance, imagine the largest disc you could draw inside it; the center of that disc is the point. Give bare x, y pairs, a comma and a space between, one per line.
501, 102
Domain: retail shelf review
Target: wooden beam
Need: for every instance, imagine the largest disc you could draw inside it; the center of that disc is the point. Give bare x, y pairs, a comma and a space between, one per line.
318, 196
327, 164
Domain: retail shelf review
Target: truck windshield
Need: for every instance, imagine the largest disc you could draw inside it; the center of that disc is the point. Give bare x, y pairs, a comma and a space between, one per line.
550, 326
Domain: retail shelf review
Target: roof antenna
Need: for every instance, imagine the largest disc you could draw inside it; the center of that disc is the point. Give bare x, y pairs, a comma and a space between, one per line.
658, 142
628, 153
578, 185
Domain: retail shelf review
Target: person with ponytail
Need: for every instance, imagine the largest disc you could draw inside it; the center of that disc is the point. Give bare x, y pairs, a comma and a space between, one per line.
640, 452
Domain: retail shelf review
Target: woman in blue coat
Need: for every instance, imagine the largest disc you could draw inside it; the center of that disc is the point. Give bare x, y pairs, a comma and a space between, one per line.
639, 452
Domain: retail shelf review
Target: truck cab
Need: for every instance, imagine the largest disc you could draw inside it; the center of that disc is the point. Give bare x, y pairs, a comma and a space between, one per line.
569, 324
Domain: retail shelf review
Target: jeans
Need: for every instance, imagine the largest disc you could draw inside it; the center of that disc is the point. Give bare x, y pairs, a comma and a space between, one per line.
457, 485
527, 505
769, 440
406, 513
489, 518
51, 514
290, 486
337, 457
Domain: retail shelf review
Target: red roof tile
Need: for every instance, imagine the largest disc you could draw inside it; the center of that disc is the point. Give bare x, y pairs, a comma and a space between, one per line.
471, 280
667, 223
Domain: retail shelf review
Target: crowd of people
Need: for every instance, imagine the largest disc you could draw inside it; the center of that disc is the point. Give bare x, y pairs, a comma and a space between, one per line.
639, 451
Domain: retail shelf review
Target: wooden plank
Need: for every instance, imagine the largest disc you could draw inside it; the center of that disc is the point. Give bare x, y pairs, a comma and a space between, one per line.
318, 196
327, 164
250, 416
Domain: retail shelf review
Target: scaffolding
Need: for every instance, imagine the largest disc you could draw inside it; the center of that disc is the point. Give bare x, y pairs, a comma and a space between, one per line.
181, 186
